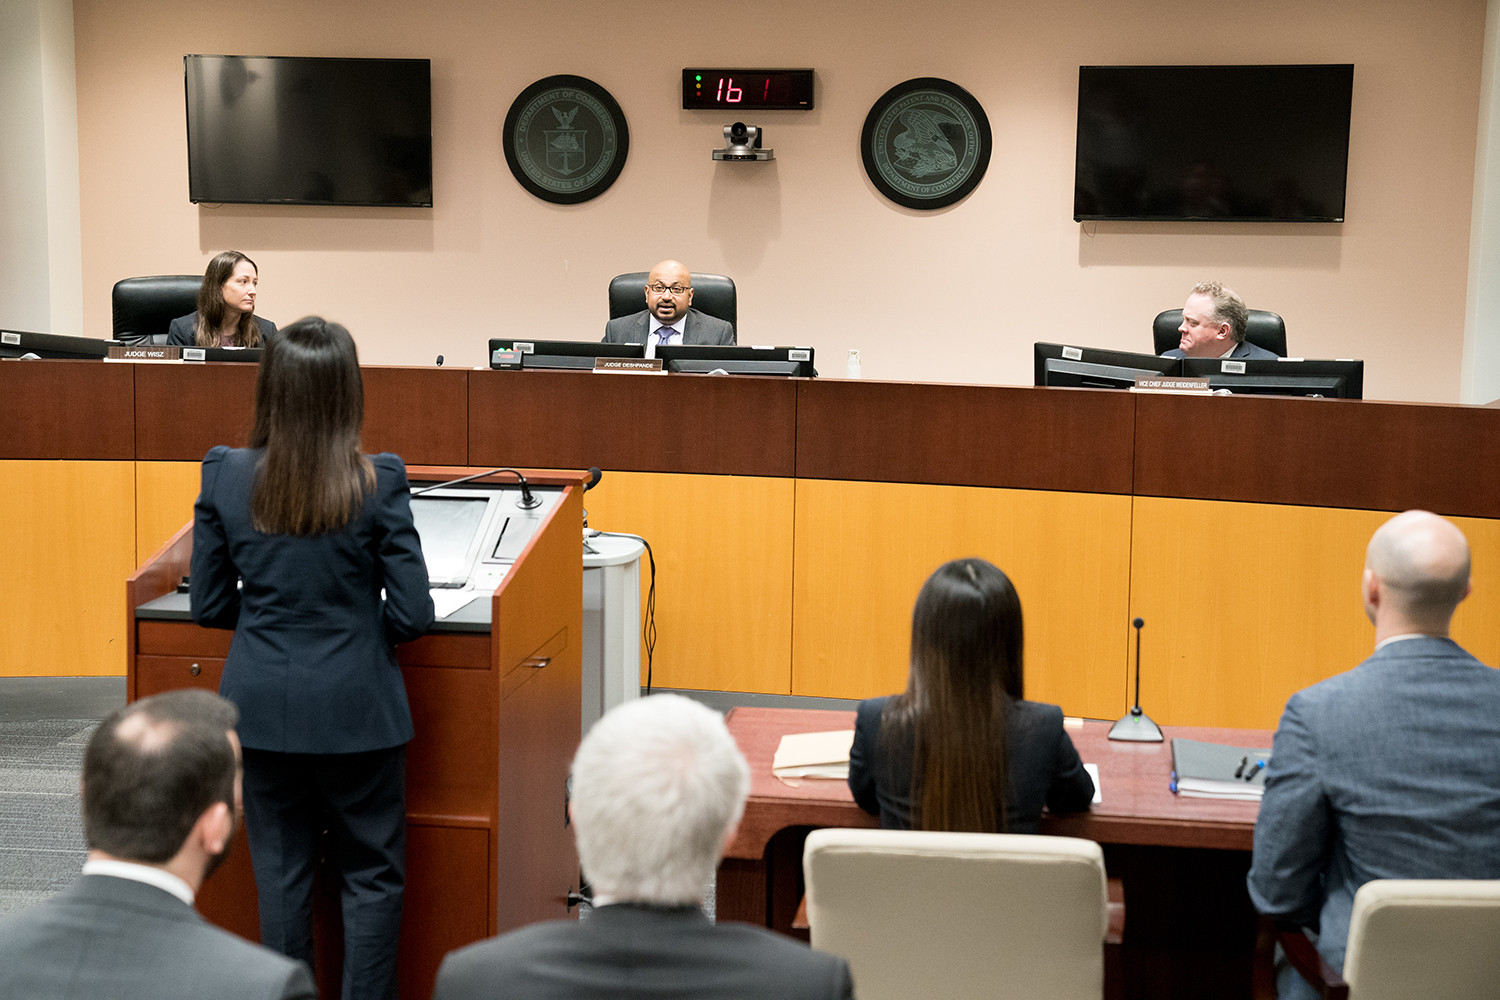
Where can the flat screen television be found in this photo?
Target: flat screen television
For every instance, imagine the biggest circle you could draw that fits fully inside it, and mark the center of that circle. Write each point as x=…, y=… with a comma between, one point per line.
x=1230, y=143
x=1094, y=367
x=1282, y=377
x=292, y=130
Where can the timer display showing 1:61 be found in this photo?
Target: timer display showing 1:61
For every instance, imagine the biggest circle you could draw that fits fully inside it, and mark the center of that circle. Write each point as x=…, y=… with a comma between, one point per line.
x=755, y=89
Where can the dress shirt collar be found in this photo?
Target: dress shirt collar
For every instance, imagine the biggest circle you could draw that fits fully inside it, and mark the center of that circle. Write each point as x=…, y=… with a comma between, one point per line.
x=673, y=340
x=1410, y=635
x=149, y=874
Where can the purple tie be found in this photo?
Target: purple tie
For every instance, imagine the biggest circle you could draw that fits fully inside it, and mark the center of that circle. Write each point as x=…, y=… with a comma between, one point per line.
x=664, y=334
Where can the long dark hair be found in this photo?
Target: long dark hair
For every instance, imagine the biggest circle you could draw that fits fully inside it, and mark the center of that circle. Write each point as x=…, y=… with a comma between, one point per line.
x=211, y=307
x=309, y=408
x=966, y=642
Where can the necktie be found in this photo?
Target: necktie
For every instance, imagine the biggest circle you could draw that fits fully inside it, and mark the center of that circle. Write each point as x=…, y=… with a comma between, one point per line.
x=664, y=334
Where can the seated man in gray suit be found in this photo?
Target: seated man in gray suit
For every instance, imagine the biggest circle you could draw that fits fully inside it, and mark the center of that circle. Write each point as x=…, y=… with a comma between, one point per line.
x=1213, y=326
x=160, y=803
x=658, y=788
x=669, y=316
x=1388, y=770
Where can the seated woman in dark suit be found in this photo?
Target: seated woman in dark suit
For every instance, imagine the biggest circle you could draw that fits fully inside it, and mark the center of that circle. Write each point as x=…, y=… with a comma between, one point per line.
x=307, y=549
x=959, y=749
x=226, y=308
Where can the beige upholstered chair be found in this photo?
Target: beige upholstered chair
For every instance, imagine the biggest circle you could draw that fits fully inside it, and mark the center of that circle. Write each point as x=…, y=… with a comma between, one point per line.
x=958, y=915
x=1416, y=938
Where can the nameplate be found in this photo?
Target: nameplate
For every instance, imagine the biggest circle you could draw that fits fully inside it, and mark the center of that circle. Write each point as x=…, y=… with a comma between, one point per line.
x=1172, y=384
x=147, y=352
x=632, y=366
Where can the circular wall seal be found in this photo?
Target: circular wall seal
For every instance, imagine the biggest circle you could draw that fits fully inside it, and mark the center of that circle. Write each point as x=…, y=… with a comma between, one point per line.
x=926, y=143
x=565, y=139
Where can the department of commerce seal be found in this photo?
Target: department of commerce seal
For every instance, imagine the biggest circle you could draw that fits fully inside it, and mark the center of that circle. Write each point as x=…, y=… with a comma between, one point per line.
x=926, y=143
x=565, y=139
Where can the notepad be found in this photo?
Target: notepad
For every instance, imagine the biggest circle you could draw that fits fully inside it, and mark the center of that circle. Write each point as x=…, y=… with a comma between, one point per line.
x=813, y=755
x=1218, y=771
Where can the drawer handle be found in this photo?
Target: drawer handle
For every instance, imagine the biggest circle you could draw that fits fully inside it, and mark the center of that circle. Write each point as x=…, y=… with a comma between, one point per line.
x=537, y=662
x=195, y=670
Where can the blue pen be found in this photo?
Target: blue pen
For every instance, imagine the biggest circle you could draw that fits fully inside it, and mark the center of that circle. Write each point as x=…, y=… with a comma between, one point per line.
x=1254, y=770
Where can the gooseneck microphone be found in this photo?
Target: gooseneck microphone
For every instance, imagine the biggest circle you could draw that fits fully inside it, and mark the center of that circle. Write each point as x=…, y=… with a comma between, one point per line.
x=528, y=499
x=1136, y=726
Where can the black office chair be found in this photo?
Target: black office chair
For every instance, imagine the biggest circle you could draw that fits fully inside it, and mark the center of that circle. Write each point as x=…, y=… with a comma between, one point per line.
x=713, y=294
x=144, y=307
x=1263, y=329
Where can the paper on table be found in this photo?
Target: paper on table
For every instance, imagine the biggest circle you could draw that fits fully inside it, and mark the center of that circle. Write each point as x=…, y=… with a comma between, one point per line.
x=813, y=755
x=1093, y=770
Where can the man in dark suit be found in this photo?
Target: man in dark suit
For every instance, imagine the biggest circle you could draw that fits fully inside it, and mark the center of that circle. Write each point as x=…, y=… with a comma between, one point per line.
x=160, y=794
x=669, y=317
x=658, y=788
x=1213, y=326
x=1388, y=770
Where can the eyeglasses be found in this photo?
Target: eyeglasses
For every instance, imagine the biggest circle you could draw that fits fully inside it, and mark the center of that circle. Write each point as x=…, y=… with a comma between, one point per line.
x=656, y=287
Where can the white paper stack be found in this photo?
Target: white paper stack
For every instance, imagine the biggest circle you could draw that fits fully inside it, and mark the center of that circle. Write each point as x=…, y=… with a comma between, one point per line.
x=813, y=755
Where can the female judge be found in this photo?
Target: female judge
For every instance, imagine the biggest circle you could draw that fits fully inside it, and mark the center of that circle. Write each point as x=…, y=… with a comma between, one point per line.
x=960, y=749
x=306, y=548
x=226, y=308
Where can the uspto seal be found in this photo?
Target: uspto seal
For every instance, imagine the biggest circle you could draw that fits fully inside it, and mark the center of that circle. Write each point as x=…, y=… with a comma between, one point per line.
x=926, y=143
x=565, y=139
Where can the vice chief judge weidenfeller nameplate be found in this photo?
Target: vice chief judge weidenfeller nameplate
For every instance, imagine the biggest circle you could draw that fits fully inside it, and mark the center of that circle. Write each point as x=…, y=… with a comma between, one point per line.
x=565, y=139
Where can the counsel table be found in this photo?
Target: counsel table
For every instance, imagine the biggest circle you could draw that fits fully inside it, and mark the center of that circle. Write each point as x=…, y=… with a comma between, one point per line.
x=1189, y=928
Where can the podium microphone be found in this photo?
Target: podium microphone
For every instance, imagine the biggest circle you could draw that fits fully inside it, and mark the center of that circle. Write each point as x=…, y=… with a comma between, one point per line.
x=1136, y=726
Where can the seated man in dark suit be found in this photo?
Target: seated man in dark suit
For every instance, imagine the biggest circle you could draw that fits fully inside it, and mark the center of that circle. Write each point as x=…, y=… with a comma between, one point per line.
x=160, y=804
x=1388, y=770
x=669, y=317
x=658, y=788
x=1213, y=326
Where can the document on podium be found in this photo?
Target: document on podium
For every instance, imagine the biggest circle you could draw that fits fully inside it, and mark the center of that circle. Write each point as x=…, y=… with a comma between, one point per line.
x=814, y=755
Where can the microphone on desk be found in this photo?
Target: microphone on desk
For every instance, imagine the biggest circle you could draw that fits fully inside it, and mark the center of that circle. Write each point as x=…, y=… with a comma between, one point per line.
x=595, y=474
x=440, y=361
x=1136, y=726
x=528, y=499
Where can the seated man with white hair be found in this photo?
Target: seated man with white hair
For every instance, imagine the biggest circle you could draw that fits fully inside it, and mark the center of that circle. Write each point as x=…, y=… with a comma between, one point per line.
x=658, y=790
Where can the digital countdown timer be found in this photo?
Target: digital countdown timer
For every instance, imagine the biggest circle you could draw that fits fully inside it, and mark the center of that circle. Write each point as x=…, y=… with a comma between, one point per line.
x=747, y=89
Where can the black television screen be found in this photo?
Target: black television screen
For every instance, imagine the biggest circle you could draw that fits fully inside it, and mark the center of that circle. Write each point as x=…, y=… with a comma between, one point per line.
x=292, y=130
x=1232, y=143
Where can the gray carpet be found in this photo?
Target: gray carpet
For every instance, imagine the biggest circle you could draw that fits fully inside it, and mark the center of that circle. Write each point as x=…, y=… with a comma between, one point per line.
x=44, y=724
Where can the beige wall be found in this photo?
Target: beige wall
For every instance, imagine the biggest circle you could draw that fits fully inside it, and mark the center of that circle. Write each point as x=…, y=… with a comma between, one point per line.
x=819, y=256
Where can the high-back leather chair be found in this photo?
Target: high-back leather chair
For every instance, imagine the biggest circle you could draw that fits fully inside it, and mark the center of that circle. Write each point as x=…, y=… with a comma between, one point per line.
x=959, y=915
x=144, y=307
x=1263, y=329
x=712, y=293
x=1411, y=939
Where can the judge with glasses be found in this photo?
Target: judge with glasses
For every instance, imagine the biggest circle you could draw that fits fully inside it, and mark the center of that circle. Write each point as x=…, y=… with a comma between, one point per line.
x=669, y=316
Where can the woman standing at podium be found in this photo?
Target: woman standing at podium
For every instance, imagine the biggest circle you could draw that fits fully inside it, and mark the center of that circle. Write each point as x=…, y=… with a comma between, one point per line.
x=960, y=749
x=306, y=548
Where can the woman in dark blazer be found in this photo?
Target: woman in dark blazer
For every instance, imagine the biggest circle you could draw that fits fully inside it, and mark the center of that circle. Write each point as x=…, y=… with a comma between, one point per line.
x=960, y=749
x=226, y=308
x=307, y=549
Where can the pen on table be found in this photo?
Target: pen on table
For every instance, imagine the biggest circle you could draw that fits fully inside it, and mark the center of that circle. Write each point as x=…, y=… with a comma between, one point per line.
x=1239, y=771
x=1254, y=770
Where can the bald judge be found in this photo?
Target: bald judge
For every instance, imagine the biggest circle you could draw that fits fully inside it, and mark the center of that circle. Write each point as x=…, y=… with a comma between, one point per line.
x=669, y=316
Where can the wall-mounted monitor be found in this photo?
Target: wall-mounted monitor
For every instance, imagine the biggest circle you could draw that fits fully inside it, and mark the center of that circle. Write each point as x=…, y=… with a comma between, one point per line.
x=1067, y=366
x=1228, y=143
x=1282, y=377
x=291, y=130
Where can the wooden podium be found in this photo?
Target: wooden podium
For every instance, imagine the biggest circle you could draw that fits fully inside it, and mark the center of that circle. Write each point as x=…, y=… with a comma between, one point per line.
x=496, y=714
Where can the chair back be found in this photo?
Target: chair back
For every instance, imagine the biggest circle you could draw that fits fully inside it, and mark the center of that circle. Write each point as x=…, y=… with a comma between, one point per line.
x=1421, y=938
x=144, y=307
x=1263, y=329
x=712, y=293
x=959, y=915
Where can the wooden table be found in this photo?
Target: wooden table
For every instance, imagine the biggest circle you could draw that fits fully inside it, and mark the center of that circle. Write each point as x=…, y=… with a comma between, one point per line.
x=1189, y=929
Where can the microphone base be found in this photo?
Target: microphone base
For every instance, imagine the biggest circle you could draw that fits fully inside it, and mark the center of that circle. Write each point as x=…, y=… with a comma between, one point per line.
x=1136, y=727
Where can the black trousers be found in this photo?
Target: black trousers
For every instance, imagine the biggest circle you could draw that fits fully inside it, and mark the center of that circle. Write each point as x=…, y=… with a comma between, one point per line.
x=359, y=800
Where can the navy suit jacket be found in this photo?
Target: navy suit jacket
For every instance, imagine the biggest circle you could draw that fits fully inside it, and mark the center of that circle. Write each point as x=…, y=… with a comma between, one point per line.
x=627, y=951
x=698, y=328
x=1243, y=350
x=1044, y=768
x=1386, y=771
x=107, y=938
x=311, y=666
x=181, y=333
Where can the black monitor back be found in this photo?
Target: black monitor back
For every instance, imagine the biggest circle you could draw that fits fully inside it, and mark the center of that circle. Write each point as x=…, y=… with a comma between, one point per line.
x=577, y=354
x=794, y=361
x=18, y=343
x=1285, y=377
x=1137, y=364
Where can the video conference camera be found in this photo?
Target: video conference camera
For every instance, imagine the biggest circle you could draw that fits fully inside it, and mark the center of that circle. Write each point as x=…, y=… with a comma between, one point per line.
x=743, y=142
